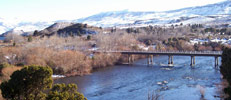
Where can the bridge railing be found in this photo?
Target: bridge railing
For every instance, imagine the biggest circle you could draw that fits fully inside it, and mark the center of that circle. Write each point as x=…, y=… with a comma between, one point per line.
x=181, y=52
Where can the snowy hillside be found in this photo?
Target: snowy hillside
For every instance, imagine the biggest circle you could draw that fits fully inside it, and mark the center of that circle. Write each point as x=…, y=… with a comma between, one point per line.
x=55, y=27
x=200, y=14
x=18, y=26
x=210, y=14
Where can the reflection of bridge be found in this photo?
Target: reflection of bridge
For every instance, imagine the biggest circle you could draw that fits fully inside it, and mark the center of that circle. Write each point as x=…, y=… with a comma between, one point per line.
x=170, y=54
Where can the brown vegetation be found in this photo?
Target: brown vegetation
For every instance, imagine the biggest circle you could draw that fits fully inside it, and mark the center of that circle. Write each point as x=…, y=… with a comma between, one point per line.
x=67, y=49
x=63, y=62
x=71, y=55
x=103, y=60
x=14, y=38
x=6, y=72
x=67, y=62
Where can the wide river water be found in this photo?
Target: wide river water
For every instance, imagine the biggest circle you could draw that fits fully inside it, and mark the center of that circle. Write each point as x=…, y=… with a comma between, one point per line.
x=2, y=38
x=135, y=82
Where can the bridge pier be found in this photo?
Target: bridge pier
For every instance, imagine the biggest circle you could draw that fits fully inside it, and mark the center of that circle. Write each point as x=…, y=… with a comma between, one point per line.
x=170, y=59
x=216, y=61
x=192, y=61
x=130, y=59
x=149, y=59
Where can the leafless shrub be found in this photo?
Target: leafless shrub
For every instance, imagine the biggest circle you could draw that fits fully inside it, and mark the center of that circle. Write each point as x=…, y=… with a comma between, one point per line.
x=154, y=96
x=71, y=62
x=103, y=60
x=60, y=43
x=11, y=55
x=14, y=38
x=115, y=41
x=70, y=54
x=66, y=61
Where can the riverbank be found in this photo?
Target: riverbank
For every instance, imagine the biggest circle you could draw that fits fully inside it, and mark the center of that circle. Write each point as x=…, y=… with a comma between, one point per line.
x=63, y=62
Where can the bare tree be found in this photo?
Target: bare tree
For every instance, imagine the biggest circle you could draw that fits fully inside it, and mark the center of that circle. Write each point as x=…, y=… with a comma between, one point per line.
x=14, y=38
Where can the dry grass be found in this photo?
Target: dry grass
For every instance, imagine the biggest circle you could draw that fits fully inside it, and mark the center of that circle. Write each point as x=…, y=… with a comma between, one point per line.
x=61, y=61
x=7, y=72
x=69, y=55
x=115, y=41
x=71, y=62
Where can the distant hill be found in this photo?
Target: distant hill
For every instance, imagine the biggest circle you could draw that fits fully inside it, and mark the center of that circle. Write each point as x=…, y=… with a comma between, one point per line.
x=212, y=13
x=68, y=29
x=54, y=28
x=219, y=13
x=16, y=25
x=20, y=32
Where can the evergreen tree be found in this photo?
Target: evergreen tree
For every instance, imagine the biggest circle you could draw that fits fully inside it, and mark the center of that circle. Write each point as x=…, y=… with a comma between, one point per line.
x=28, y=83
x=36, y=33
x=78, y=33
x=29, y=39
x=65, y=92
x=88, y=37
x=225, y=69
x=14, y=44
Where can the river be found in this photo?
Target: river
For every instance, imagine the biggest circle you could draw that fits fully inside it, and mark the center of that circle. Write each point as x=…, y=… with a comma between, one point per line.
x=136, y=81
x=2, y=38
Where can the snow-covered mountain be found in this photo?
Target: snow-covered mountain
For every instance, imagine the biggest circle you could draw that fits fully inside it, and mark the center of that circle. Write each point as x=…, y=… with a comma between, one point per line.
x=18, y=26
x=209, y=14
x=200, y=14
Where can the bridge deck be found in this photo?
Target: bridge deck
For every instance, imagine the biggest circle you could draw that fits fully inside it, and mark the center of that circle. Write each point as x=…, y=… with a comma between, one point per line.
x=173, y=53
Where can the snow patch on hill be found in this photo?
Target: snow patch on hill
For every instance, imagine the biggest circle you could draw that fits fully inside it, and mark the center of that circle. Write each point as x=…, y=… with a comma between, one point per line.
x=190, y=15
x=18, y=24
x=212, y=13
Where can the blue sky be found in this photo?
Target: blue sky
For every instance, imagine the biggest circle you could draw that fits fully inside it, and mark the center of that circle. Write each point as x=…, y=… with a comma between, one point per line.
x=48, y=10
